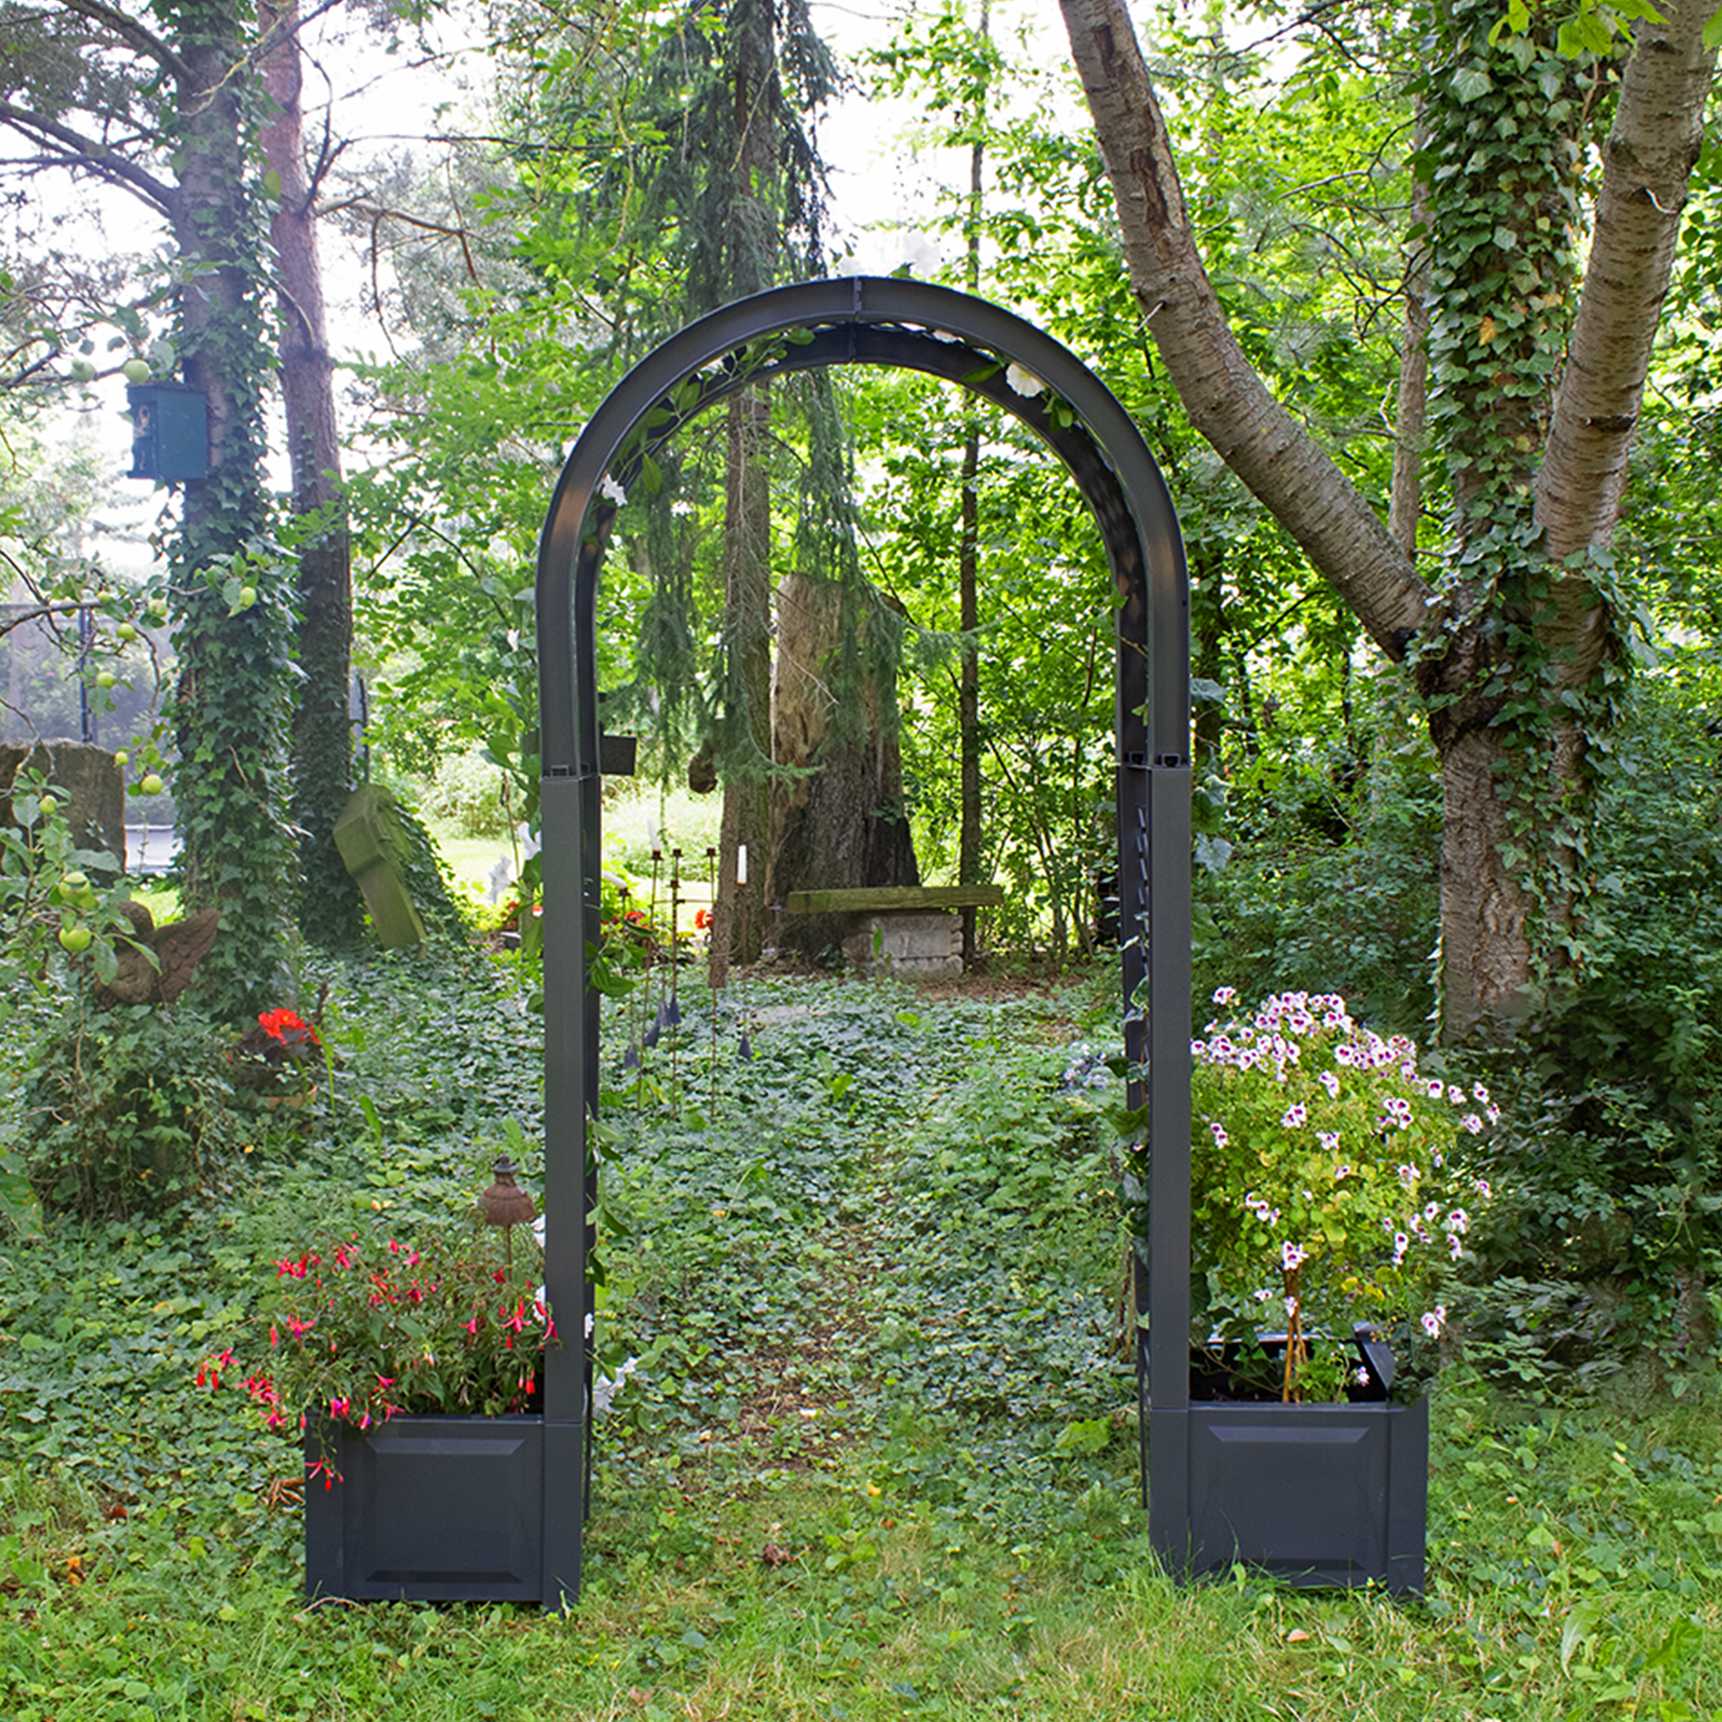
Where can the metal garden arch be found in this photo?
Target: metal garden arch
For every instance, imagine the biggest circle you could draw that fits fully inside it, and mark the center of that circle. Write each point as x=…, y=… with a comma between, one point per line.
x=914, y=326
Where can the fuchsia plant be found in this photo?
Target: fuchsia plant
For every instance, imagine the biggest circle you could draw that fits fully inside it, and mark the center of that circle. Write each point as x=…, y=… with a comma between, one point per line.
x=1331, y=1182
x=361, y=1331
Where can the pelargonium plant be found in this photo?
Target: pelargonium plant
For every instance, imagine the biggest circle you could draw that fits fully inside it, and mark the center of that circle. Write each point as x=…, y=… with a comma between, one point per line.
x=360, y=1331
x=1332, y=1184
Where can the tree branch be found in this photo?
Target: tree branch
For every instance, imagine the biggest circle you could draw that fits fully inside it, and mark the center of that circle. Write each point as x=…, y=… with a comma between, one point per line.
x=1226, y=400
x=76, y=150
x=133, y=33
x=1647, y=164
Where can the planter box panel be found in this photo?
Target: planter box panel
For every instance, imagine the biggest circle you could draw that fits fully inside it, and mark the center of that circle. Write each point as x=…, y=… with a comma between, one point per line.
x=1331, y=1495
x=1301, y=1495
x=433, y=1509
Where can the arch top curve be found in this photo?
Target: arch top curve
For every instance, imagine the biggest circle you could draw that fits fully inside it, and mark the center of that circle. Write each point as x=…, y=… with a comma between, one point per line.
x=889, y=321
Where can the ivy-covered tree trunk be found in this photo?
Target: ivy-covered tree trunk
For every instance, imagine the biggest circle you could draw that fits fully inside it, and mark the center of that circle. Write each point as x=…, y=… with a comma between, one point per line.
x=231, y=605
x=322, y=733
x=834, y=708
x=1514, y=646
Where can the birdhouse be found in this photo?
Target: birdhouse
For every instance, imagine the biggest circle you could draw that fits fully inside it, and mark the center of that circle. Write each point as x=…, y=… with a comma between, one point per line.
x=170, y=432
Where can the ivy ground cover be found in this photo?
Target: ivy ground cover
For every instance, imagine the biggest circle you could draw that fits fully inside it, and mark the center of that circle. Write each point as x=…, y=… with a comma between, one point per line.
x=871, y=1448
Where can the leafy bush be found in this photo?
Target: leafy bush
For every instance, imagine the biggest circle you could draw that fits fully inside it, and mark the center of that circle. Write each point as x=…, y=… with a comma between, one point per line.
x=1330, y=1184
x=124, y=1108
x=1354, y=897
x=465, y=793
x=1616, y=1091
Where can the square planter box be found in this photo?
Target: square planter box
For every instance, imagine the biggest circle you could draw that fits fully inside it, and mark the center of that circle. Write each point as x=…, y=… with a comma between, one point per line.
x=1317, y=1494
x=448, y=1509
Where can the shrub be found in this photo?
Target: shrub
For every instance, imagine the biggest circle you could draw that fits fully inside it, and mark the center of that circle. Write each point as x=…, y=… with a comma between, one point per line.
x=125, y=1108
x=465, y=794
x=1331, y=1185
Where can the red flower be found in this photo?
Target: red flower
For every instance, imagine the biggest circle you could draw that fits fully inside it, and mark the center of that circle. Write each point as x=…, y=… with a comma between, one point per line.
x=287, y=1026
x=702, y=918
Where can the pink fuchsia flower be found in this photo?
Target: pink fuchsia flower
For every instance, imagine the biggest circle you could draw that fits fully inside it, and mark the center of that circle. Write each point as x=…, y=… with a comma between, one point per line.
x=1296, y=1116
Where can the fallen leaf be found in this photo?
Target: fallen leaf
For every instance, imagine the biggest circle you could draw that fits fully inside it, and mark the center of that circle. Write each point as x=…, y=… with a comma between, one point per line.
x=775, y=1555
x=1297, y=1635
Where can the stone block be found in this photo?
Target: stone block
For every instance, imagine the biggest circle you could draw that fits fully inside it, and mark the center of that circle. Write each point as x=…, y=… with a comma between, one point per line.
x=919, y=944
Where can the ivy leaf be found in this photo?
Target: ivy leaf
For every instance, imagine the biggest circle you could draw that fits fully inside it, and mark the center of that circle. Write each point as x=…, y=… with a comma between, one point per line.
x=1713, y=30
x=1472, y=82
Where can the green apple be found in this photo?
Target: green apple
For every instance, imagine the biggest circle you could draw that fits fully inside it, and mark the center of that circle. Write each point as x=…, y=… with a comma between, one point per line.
x=125, y=631
x=158, y=610
x=75, y=939
x=105, y=678
x=120, y=756
x=247, y=597
x=151, y=785
x=135, y=370
x=48, y=805
x=75, y=881
x=81, y=370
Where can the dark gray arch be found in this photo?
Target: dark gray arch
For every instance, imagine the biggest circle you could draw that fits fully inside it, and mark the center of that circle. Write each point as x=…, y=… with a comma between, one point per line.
x=911, y=325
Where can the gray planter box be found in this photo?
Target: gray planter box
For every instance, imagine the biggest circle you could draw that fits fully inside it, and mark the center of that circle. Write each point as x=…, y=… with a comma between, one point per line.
x=1332, y=1495
x=448, y=1509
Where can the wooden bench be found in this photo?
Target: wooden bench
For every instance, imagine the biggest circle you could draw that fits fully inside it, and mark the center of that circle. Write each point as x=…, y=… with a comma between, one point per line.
x=907, y=929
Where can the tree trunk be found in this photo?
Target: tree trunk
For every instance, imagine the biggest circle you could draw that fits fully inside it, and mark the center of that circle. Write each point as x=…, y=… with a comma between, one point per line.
x=969, y=860
x=1485, y=955
x=842, y=825
x=229, y=697
x=322, y=733
x=738, y=918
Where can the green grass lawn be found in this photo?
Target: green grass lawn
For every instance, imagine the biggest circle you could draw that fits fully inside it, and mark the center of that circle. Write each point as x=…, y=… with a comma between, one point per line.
x=871, y=1277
